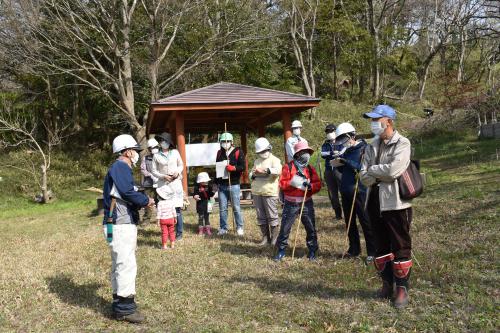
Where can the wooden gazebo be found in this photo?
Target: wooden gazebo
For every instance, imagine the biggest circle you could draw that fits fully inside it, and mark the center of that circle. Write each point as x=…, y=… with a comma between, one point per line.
x=243, y=108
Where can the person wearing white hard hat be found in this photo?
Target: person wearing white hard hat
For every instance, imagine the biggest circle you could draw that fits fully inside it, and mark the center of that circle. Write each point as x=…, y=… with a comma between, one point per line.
x=168, y=167
x=148, y=179
x=349, y=164
x=265, y=189
x=234, y=158
x=122, y=202
x=202, y=193
x=292, y=141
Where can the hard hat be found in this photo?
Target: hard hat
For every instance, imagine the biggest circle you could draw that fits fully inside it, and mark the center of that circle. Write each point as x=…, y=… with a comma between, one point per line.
x=300, y=146
x=262, y=144
x=125, y=141
x=152, y=143
x=165, y=137
x=165, y=192
x=342, y=132
x=226, y=137
x=202, y=177
x=296, y=124
x=330, y=128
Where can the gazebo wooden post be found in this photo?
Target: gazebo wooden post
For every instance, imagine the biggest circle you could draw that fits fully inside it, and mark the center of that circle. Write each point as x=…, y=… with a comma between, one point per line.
x=181, y=146
x=261, y=131
x=243, y=136
x=287, y=127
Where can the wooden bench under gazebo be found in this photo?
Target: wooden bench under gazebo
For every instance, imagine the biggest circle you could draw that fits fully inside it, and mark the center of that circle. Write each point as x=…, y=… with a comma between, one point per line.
x=206, y=110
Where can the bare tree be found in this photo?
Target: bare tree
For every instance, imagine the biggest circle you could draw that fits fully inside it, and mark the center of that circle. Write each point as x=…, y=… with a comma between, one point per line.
x=89, y=41
x=437, y=21
x=18, y=130
x=302, y=21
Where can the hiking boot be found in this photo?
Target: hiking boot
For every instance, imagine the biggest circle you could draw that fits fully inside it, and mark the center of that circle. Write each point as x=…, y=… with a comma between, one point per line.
x=275, y=231
x=279, y=256
x=264, y=229
x=401, y=299
x=135, y=318
x=208, y=230
x=201, y=230
x=386, y=291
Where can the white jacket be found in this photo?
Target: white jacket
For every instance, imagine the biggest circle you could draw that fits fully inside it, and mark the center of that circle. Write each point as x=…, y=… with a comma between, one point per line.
x=394, y=160
x=169, y=164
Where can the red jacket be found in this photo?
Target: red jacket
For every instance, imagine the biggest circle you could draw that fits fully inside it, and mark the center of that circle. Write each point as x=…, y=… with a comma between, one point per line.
x=292, y=193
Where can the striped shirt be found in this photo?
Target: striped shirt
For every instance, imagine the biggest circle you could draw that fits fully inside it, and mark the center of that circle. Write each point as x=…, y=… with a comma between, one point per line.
x=166, y=210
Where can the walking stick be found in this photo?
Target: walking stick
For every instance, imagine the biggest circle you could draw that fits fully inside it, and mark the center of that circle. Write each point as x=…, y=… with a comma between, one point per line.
x=229, y=180
x=298, y=224
x=350, y=215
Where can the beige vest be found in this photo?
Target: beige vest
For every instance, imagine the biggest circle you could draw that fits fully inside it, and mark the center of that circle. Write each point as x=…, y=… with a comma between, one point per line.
x=267, y=185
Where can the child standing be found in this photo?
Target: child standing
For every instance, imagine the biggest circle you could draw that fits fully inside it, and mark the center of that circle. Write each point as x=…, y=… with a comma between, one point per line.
x=296, y=176
x=167, y=216
x=203, y=192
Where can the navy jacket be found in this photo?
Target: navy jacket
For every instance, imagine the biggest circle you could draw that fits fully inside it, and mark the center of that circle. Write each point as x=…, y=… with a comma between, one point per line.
x=352, y=156
x=327, y=153
x=120, y=174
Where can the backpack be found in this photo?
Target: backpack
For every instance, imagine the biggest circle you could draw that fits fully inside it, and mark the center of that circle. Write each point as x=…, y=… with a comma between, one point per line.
x=410, y=182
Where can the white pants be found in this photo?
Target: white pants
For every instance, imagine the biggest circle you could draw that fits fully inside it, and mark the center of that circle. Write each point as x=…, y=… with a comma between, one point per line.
x=123, y=264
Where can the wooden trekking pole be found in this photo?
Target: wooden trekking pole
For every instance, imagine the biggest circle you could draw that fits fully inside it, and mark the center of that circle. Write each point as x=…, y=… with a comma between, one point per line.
x=350, y=215
x=229, y=180
x=298, y=224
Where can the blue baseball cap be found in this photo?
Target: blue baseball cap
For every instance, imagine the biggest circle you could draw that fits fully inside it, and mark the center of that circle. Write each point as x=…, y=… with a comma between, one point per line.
x=380, y=111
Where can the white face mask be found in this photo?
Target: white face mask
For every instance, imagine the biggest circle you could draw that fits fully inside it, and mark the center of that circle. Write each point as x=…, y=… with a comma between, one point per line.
x=265, y=154
x=135, y=158
x=154, y=151
x=330, y=136
x=225, y=145
x=377, y=127
x=296, y=131
x=164, y=146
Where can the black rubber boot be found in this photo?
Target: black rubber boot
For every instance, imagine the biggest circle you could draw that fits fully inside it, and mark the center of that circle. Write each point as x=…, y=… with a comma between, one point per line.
x=387, y=290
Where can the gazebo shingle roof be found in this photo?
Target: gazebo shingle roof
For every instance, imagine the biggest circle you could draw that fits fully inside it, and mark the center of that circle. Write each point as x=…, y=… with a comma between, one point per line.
x=242, y=107
x=225, y=92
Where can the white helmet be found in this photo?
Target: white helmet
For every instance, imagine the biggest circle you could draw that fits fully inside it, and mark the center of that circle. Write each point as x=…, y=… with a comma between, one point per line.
x=262, y=144
x=202, y=177
x=341, y=131
x=125, y=141
x=296, y=124
x=152, y=143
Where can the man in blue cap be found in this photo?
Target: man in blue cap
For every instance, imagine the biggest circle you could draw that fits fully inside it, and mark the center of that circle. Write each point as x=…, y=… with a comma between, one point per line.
x=385, y=159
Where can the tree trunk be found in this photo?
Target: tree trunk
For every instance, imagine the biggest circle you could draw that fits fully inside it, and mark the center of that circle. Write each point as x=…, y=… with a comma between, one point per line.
x=461, y=56
x=423, y=80
x=374, y=32
x=334, y=68
x=45, y=191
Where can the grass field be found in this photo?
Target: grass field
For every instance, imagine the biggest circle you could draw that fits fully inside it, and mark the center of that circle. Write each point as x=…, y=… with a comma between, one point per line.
x=55, y=265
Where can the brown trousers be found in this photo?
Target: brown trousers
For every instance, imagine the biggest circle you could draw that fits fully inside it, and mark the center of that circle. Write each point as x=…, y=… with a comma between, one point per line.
x=390, y=228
